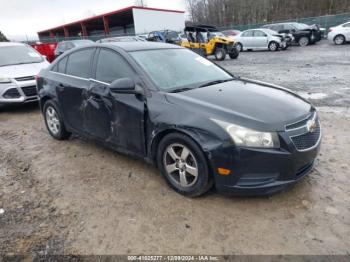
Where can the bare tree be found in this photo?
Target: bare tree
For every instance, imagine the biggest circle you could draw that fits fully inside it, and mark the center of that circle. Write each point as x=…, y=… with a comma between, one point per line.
x=229, y=12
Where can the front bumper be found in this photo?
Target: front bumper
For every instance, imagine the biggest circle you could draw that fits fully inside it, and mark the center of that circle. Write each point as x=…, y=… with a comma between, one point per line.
x=18, y=92
x=257, y=172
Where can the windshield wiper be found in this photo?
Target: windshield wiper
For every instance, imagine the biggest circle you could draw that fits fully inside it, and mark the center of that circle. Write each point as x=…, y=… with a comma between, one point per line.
x=210, y=83
x=181, y=90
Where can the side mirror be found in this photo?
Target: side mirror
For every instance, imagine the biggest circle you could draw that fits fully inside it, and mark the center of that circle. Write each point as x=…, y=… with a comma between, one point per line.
x=123, y=85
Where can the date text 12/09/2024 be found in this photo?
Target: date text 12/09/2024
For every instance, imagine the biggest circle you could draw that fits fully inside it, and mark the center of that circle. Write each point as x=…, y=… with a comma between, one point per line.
x=173, y=258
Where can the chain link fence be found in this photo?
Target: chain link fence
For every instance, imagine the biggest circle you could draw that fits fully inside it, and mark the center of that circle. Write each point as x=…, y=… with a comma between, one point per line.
x=326, y=21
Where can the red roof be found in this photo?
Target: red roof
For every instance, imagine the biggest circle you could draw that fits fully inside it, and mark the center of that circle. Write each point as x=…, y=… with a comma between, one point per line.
x=113, y=13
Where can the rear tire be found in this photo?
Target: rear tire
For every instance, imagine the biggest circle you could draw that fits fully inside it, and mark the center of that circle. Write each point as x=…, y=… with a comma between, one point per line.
x=304, y=41
x=339, y=40
x=273, y=46
x=183, y=164
x=220, y=54
x=54, y=121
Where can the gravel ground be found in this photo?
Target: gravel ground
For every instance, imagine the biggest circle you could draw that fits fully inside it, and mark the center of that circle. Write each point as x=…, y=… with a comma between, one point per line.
x=76, y=197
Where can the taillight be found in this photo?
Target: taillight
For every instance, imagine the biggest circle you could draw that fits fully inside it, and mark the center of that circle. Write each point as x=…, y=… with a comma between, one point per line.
x=330, y=29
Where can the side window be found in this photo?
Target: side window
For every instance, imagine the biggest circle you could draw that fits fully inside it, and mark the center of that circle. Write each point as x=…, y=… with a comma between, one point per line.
x=258, y=33
x=288, y=27
x=278, y=28
x=346, y=25
x=248, y=34
x=61, y=65
x=79, y=63
x=111, y=66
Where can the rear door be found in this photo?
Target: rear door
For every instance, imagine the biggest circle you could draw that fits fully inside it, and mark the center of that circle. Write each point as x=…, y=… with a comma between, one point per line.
x=73, y=87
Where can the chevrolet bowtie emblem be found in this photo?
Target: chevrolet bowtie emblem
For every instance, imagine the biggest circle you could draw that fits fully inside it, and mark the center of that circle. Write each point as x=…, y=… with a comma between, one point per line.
x=311, y=126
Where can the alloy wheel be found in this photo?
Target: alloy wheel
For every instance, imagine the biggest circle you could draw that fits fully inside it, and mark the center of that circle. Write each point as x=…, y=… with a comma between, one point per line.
x=304, y=41
x=52, y=120
x=339, y=40
x=273, y=46
x=181, y=165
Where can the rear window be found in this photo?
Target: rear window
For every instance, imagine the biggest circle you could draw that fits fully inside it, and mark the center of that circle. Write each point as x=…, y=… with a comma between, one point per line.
x=79, y=63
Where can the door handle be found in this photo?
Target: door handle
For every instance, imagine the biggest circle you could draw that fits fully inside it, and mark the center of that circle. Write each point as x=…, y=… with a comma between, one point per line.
x=60, y=87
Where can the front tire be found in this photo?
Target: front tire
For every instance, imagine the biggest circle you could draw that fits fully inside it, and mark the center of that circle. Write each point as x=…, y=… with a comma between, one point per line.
x=304, y=41
x=240, y=47
x=339, y=40
x=220, y=54
x=183, y=165
x=273, y=46
x=54, y=121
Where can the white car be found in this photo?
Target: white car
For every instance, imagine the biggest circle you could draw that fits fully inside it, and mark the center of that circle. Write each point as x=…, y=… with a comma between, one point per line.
x=261, y=39
x=19, y=64
x=340, y=34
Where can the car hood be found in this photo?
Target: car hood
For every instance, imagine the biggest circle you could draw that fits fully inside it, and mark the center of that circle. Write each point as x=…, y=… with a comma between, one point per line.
x=247, y=103
x=14, y=71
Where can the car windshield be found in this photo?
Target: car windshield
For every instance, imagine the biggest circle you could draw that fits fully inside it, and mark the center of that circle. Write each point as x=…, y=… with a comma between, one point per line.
x=18, y=54
x=172, y=69
x=269, y=31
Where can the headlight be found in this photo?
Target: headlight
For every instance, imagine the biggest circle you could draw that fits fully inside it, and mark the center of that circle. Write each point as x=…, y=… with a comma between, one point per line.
x=4, y=80
x=246, y=137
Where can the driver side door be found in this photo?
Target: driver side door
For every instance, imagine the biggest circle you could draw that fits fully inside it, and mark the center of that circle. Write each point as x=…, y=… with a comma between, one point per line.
x=260, y=39
x=112, y=117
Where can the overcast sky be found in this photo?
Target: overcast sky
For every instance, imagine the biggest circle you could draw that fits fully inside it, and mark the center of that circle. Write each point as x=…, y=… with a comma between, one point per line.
x=21, y=18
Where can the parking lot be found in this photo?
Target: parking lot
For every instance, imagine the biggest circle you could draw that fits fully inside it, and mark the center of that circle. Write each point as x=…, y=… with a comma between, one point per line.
x=78, y=197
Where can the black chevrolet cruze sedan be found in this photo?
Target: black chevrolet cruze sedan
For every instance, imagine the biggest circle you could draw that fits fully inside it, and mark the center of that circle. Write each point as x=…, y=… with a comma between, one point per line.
x=198, y=123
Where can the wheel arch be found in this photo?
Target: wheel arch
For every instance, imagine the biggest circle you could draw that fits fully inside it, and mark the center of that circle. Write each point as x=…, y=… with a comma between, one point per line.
x=340, y=34
x=192, y=134
x=43, y=100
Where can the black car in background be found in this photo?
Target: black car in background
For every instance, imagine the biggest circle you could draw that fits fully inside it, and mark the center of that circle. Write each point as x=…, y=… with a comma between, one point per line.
x=303, y=34
x=164, y=36
x=67, y=45
x=199, y=124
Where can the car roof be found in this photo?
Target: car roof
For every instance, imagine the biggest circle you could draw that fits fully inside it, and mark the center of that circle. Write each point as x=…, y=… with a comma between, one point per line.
x=139, y=46
x=77, y=41
x=11, y=44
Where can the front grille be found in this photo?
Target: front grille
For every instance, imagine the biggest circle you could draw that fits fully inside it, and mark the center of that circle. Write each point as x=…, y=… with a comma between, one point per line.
x=29, y=90
x=307, y=140
x=300, y=123
x=11, y=93
x=25, y=78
